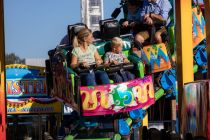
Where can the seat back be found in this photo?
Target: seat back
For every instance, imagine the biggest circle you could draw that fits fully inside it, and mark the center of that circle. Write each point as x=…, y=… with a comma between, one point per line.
x=109, y=28
x=73, y=30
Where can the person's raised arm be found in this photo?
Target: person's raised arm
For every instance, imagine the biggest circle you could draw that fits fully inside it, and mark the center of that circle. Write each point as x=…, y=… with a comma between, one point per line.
x=156, y=17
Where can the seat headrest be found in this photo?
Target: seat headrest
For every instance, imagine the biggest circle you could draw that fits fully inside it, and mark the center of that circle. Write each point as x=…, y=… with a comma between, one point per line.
x=73, y=30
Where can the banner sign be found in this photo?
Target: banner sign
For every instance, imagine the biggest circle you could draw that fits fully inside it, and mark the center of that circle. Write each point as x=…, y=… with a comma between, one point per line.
x=23, y=81
x=33, y=105
x=35, y=87
x=116, y=98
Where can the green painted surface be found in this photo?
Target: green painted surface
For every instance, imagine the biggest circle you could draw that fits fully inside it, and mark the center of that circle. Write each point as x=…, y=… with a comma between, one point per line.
x=95, y=139
x=195, y=68
x=159, y=94
x=70, y=137
x=117, y=137
x=139, y=65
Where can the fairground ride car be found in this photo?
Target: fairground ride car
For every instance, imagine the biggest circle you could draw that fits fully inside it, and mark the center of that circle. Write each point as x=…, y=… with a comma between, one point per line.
x=116, y=110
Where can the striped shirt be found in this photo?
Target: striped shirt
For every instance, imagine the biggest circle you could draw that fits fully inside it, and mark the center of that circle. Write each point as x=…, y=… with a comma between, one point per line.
x=160, y=7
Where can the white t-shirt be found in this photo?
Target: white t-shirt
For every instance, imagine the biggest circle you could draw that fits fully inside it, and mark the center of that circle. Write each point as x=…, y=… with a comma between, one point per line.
x=87, y=56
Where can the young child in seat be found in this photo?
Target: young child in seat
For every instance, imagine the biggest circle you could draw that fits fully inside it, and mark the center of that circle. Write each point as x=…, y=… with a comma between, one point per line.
x=115, y=57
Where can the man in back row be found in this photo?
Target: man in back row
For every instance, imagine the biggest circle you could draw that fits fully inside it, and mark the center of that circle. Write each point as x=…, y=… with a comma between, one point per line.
x=152, y=11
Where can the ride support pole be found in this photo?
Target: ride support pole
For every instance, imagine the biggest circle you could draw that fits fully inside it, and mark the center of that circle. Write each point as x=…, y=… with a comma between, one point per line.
x=207, y=15
x=184, y=47
x=2, y=78
x=207, y=19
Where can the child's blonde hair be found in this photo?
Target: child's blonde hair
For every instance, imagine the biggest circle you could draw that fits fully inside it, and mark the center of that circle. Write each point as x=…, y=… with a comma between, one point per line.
x=116, y=41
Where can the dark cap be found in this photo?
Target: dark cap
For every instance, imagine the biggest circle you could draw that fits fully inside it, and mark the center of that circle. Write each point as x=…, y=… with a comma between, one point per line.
x=134, y=2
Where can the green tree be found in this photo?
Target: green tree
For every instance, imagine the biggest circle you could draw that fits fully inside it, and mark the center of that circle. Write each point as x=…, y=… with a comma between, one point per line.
x=11, y=58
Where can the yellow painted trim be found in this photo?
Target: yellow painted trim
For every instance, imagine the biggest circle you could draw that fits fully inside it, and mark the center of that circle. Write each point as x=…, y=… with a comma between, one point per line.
x=145, y=120
x=22, y=66
x=184, y=43
x=31, y=106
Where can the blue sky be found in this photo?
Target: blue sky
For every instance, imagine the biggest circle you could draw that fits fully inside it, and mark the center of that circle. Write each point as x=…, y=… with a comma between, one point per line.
x=33, y=27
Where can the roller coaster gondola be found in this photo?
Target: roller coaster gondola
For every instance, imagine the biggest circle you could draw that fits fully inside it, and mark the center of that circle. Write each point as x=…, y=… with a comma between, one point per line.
x=117, y=110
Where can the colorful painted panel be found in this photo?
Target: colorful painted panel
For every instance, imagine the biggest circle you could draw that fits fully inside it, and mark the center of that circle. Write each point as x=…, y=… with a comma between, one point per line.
x=194, y=108
x=116, y=98
x=199, y=27
x=157, y=56
x=25, y=81
x=33, y=105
